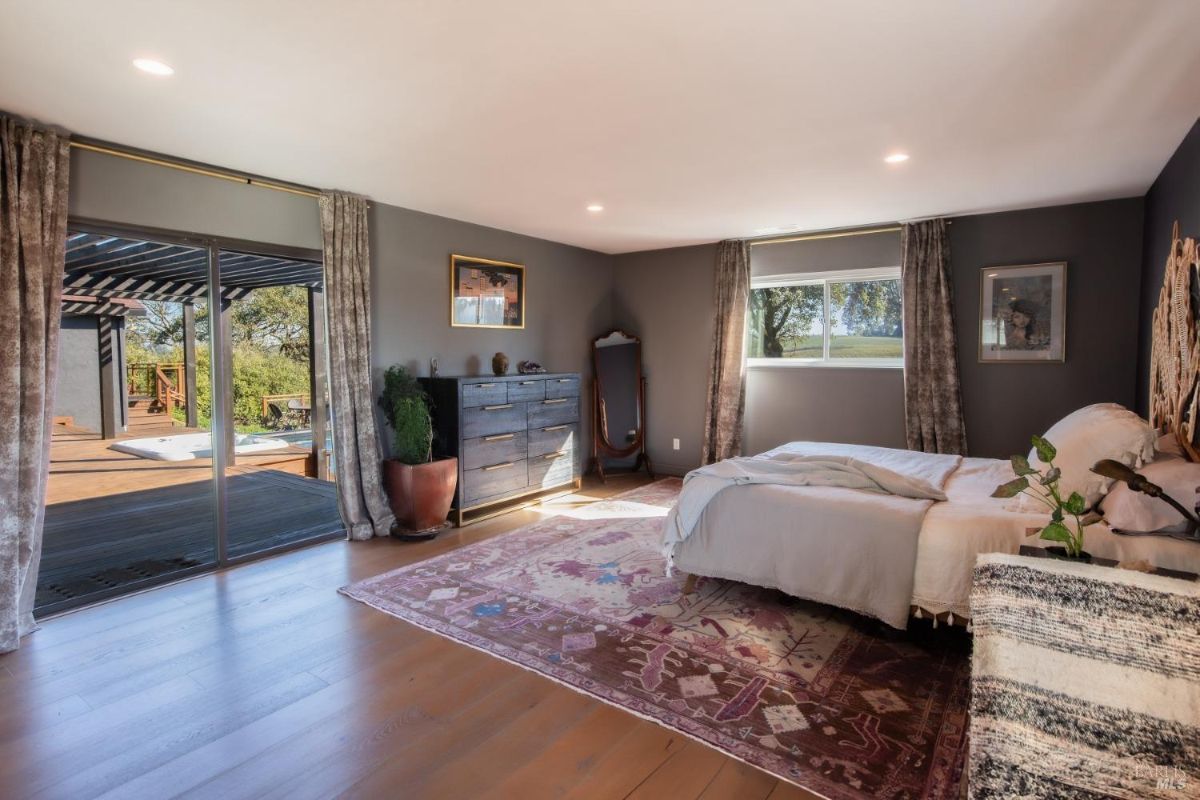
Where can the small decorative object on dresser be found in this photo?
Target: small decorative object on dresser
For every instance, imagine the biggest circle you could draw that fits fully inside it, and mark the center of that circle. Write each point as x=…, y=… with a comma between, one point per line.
x=486, y=293
x=499, y=364
x=530, y=368
x=419, y=488
x=1022, y=313
x=515, y=437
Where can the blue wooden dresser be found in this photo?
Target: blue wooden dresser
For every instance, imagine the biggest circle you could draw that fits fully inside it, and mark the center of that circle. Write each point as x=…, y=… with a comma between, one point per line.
x=516, y=438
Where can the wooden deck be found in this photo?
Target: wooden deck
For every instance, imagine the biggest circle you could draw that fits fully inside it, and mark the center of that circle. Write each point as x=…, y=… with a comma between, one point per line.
x=117, y=522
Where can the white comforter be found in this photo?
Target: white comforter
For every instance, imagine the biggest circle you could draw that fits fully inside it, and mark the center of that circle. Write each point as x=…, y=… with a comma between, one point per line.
x=847, y=563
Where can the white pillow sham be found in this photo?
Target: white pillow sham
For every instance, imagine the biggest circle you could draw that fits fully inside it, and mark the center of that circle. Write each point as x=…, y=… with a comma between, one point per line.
x=1083, y=437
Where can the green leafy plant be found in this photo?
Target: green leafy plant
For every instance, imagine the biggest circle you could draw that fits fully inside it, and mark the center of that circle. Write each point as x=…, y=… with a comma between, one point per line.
x=1043, y=485
x=407, y=408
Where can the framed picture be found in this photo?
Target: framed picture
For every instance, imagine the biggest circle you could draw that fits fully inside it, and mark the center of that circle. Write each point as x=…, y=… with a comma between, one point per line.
x=486, y=293
x=1023, y=313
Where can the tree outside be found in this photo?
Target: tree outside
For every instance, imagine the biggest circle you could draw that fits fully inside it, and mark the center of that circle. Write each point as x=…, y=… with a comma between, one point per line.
x=269, y=331
x=865, y=320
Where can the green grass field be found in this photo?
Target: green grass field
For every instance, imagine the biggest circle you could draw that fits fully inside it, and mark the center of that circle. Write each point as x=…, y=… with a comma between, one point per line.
x=845, y=347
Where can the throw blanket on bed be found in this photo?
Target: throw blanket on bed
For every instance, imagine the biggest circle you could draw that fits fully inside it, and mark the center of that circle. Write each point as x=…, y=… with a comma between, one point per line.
x=891, y=528
x=1085, y=682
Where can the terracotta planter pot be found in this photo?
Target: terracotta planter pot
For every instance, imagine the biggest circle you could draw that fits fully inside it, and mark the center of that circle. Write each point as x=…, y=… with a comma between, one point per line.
x=420, y=495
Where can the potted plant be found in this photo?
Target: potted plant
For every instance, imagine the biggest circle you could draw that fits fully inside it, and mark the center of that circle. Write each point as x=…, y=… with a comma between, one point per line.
x=420, y=488
x=1049, y=494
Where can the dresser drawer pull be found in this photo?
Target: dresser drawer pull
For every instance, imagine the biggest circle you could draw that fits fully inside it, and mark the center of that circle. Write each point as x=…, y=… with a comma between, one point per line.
x=528, y=383
x=566, y=380
x=549, y=456
x=559, y=400
x=498, y=408
x=484, y=385
x=505, y=465
x=556, y=428
x=503, y=437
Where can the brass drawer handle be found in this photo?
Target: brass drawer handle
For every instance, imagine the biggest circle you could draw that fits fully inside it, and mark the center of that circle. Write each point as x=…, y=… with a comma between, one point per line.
x=500, y=437
x=483, y=385
x=498, y=408
x=556, y=428
x=528, y=383
x=566, y=380
x=559, y=400
x=505, y=465
x=549, y=456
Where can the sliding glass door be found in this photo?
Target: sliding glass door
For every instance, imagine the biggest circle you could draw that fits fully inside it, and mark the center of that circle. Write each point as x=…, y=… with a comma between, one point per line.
x=192, y=423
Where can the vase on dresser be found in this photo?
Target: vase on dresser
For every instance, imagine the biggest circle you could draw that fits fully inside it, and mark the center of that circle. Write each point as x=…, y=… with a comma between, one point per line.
x=515, y=438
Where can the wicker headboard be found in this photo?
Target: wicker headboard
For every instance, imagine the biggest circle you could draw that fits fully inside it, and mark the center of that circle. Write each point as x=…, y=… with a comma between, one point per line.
x=1175, y=352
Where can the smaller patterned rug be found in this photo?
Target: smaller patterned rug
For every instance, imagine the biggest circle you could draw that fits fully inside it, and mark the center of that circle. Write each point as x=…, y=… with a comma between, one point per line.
x=831, y=701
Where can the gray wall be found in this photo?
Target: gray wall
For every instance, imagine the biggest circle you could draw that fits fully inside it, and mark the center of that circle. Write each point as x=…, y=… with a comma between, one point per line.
x=1175, y=196
x=665, y=296
x=568, y=299
x=1005, y=404
x=119, y=190
x=78, y=392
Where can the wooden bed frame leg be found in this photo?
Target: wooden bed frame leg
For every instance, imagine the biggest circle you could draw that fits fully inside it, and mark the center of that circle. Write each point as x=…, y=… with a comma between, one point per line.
x=689, y=585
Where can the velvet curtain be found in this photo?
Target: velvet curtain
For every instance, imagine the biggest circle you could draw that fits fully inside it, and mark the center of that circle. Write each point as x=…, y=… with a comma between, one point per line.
x=933, y=415
x=726, y=399
x=356, y=449
x=34, y=169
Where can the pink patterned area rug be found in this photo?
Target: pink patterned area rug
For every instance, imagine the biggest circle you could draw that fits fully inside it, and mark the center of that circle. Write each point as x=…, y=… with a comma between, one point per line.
x=831, y=701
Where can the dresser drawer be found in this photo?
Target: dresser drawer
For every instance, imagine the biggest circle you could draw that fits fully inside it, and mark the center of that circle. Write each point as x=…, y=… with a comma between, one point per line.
x=551, y=469
x=493, y=480
x=552, y=438
x=562, y=387
x=522, y=391
x=484, y=394
x=553, y=412
x=494, y=449
x=490, y=419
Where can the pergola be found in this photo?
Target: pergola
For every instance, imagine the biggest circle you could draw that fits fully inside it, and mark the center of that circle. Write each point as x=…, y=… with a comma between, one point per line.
x=102, y=270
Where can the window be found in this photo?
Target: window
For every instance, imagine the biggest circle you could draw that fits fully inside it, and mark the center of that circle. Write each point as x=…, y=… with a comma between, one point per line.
x=848, y=319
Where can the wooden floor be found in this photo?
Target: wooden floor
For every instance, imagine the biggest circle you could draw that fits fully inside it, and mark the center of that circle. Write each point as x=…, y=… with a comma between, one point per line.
x=262, y=682
x=116, y=521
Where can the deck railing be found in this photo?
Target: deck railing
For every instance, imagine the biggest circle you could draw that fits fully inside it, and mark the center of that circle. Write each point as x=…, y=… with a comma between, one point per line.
x=163, y=381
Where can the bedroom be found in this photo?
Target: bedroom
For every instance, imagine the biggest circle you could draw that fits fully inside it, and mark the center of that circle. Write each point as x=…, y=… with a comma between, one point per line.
x=605, y=167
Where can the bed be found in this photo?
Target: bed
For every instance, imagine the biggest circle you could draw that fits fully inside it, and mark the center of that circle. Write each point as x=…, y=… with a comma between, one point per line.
x=766, y=535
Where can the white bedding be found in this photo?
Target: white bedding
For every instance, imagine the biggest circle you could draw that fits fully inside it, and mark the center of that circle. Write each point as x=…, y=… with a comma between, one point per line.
x=765, y=535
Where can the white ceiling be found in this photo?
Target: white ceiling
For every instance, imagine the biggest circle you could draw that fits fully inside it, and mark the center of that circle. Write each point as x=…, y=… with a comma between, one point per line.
x=690, y=120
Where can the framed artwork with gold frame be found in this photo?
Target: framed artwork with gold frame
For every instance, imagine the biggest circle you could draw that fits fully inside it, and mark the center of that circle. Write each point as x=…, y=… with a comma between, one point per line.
x=486, y=294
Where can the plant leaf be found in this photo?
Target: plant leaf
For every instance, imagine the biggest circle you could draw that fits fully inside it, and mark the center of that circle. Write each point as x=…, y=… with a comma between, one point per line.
x=1045, y=450
x=1012, y=488
x=1057, y=532
x=1020, y=465
x=1053, y=474
x=1075, y=504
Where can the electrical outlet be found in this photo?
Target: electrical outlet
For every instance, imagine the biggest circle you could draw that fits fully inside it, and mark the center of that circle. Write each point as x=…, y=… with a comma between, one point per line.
x=674, y=444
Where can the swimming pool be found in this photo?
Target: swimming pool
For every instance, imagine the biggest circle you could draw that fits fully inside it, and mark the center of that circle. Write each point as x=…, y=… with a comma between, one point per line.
x=190, y=446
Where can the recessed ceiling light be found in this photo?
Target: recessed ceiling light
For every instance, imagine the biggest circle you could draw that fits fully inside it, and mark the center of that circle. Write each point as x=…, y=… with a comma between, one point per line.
x=896, y=158
x=153, y=67
x=595, y=207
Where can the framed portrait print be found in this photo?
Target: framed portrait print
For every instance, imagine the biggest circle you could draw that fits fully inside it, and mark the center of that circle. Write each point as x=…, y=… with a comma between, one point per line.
x=1023, y=313
x=486, y=293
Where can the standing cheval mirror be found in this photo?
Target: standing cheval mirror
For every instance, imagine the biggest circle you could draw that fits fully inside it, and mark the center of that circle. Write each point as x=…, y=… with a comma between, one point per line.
x=618, y=401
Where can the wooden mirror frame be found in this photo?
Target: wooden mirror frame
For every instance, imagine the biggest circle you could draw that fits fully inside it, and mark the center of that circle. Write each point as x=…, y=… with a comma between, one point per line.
x=602, y=446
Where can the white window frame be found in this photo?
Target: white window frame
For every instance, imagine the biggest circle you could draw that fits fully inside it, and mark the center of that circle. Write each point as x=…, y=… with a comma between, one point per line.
x=824, y=279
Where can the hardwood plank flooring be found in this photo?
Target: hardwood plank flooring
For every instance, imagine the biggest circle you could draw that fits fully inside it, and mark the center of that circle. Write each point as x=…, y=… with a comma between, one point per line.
x=262, y=682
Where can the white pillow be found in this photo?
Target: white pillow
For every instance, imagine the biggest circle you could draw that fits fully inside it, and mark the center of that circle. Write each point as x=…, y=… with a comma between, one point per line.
x=1083, y=437
x=1134, y=511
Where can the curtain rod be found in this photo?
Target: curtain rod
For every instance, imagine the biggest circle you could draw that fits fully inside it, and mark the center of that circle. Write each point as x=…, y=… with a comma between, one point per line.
x=182, y=167
x=808, y=237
